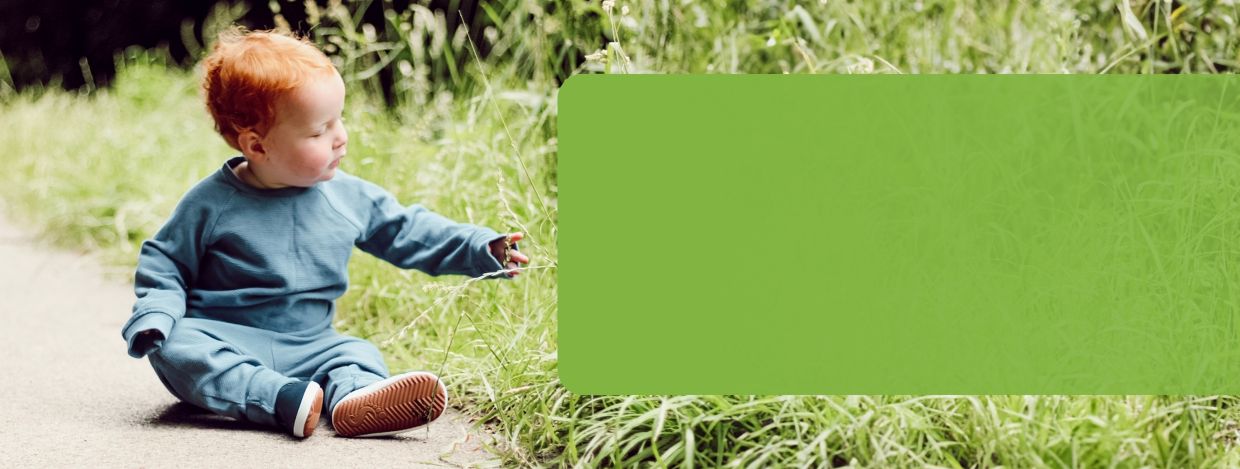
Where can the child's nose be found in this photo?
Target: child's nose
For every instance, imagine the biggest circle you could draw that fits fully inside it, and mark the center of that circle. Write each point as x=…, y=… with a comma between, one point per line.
x=342, y=139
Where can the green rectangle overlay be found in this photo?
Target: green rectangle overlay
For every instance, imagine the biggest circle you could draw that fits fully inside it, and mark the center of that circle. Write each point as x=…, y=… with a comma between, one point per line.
x=910, y=234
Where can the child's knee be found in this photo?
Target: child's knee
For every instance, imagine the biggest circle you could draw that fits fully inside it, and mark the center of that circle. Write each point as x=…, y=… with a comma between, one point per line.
x=161, y=373
x=171, y=378
x=191, y=351
x=181, y=344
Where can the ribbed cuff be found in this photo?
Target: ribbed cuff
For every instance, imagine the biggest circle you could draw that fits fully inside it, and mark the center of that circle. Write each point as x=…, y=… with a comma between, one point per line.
x=161, y=322
x=489, y=262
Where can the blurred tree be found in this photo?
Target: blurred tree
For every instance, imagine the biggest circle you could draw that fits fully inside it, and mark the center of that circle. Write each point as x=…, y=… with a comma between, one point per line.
x=74, y=43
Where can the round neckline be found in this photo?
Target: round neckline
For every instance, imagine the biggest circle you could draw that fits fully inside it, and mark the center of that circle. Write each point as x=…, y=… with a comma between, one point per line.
x=235, y=181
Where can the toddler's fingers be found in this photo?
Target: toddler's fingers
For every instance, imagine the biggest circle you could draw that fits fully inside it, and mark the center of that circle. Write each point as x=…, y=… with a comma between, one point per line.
x=514, y=237
x=517, y=256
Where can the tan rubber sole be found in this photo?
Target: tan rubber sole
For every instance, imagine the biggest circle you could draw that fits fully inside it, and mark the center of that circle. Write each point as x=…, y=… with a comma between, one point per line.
x=407, y=402
x=312, y=419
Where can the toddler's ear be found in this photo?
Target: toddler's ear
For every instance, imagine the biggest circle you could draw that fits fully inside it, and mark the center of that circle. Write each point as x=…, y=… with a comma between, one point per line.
x=251, y=145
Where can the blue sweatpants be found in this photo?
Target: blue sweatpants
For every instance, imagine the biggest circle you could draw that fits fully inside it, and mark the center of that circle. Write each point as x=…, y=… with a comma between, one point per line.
x=237, y=370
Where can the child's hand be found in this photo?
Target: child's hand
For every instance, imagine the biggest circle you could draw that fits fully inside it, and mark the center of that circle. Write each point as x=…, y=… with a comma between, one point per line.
x=505, y=252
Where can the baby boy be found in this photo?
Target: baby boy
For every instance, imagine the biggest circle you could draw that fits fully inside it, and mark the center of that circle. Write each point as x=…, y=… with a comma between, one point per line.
x=236, y=292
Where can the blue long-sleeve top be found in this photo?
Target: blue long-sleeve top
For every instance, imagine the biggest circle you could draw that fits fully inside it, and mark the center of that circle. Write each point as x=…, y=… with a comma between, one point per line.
x=277, y=259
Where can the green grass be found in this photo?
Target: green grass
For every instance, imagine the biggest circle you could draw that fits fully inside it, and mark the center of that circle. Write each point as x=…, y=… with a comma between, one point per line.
x=102, y=172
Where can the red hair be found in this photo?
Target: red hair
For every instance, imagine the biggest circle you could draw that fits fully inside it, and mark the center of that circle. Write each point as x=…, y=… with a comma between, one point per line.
x=246, y=73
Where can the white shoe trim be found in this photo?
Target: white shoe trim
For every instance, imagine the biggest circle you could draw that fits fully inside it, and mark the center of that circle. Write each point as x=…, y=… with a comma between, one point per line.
x=303, y=411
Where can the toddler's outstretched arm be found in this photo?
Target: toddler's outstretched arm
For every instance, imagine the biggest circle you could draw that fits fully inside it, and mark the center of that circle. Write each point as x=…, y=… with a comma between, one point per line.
x=414, y=237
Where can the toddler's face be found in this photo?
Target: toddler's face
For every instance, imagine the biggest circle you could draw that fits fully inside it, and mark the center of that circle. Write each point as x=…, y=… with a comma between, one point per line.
x=308, y=139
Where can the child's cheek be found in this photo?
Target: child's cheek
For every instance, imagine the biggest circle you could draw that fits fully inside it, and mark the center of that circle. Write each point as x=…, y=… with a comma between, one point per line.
x=311, y=156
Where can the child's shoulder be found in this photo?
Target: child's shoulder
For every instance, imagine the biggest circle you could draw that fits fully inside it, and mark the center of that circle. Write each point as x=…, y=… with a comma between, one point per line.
x=211, y=189
x=208, y=194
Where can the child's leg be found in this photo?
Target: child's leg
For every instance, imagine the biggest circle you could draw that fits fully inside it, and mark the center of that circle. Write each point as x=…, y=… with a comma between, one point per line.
x=343, y=380
x=214, y=365
x=361, y=399
x=349, y=363
x=340, y=363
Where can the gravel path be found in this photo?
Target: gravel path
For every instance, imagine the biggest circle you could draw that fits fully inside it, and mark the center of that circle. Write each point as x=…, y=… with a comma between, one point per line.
x=72, y=397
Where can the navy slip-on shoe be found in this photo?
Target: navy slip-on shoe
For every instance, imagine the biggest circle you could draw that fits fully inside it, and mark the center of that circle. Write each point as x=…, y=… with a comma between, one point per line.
x=298, y=406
